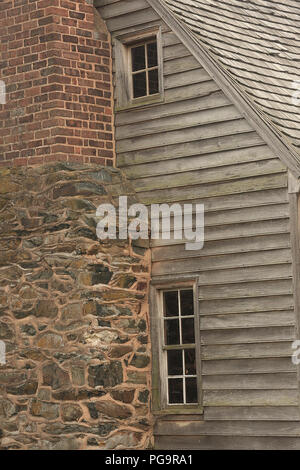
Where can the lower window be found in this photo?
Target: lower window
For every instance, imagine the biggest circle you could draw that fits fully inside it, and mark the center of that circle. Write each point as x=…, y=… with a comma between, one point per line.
x=177, y=348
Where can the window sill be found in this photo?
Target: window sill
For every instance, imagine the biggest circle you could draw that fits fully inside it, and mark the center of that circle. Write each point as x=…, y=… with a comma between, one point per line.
x=141, y=102
x=179, y=410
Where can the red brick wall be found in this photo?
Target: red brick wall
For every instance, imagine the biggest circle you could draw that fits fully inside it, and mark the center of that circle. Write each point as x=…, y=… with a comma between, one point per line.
x=56, y=65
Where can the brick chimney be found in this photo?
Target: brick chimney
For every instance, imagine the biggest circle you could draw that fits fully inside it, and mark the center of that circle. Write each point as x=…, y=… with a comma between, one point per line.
x=55, y=64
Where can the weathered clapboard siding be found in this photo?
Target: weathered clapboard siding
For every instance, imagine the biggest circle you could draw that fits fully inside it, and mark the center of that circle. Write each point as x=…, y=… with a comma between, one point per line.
x=166, y=110
x=252, y=413
x=247, y=366
x=245, y=350
x=236, y=231
x=246, y=305
x=205, y=147
x=171, y=123
x=196, y=428
x=191, y=132
x=231, y=172
x=202, y=264
x=251, y=397
x=246, y=335
x=196, y=162
x=252, y=320
x=247, y=244
x=253, y=382
x=196, y=147
x=226, y=442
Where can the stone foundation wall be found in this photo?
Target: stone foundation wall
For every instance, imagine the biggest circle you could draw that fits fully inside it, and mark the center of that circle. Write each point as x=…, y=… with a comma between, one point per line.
x=73, y=315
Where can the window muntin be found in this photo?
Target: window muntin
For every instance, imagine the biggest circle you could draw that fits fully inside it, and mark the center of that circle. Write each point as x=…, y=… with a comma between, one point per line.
x=144, y=69
x=179, y=346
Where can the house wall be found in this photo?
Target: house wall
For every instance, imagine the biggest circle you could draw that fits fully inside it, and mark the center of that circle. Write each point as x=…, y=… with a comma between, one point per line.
x=198, y=147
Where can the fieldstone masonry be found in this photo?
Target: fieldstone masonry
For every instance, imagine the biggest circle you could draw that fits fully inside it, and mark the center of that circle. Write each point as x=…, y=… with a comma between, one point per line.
x=73, y=314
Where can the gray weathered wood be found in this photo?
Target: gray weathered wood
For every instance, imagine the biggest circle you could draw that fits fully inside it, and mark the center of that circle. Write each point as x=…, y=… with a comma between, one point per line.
x=229, y=157
x=244, y=335
x=226, y=173
x=242, y=245
x=180, y=64
x=245, y=305
x=241, y=186
x=167, y=110
x=175, y=51
x=248, y=366
x=235, y=428
x=177, y=443
x=119, y=23
x=251, y=350
x=248, y=320
x=222, y=262
x=251, y=398
x=214, y=145
x=170, y=123
x=285, y=381
x=251, y=413
x=122, y=7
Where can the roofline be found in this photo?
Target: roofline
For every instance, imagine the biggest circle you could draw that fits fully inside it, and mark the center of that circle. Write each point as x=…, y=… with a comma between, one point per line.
x=263, y=127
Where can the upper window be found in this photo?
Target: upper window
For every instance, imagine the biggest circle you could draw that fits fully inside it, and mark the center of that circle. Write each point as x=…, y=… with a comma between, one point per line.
x=138, y=66
x=144, y=69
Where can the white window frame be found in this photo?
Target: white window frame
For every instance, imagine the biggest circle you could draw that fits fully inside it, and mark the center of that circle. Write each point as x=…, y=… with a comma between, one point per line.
x=160, y=403
x=123, y=68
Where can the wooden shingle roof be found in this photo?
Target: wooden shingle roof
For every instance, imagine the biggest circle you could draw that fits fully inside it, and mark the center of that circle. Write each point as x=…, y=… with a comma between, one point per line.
x=255, y=45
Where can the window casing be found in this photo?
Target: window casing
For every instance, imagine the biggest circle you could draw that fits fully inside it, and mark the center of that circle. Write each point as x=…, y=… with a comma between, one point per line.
x=176, y=348
x=138, y=69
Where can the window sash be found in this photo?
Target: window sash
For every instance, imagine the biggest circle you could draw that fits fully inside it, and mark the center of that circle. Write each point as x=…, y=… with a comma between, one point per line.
x=165, y=348
x=146, y=70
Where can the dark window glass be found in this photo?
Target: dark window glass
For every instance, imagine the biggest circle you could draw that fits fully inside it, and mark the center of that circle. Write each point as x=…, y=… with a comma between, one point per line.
x=171, y=304
x=175, y=390
x=175, y=362
x=187, y=302
x=190, y=361
x=138, y=58
x=152, y=54
x=188, y=330
x=191, y=390
x=153, y=82
x=172, y=332
x=139, y=85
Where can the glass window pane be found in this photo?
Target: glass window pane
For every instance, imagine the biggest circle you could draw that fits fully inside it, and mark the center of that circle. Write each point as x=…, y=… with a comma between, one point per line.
x=153, y=82
x=175, y=391
x=172, y=332
x=171, y=304
x=139, y=85
x=175, y=365
x=188, y=330
x=138, y=58
x=187, y=302
x=191, y=390
x=190, y=361
x=152, y=54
